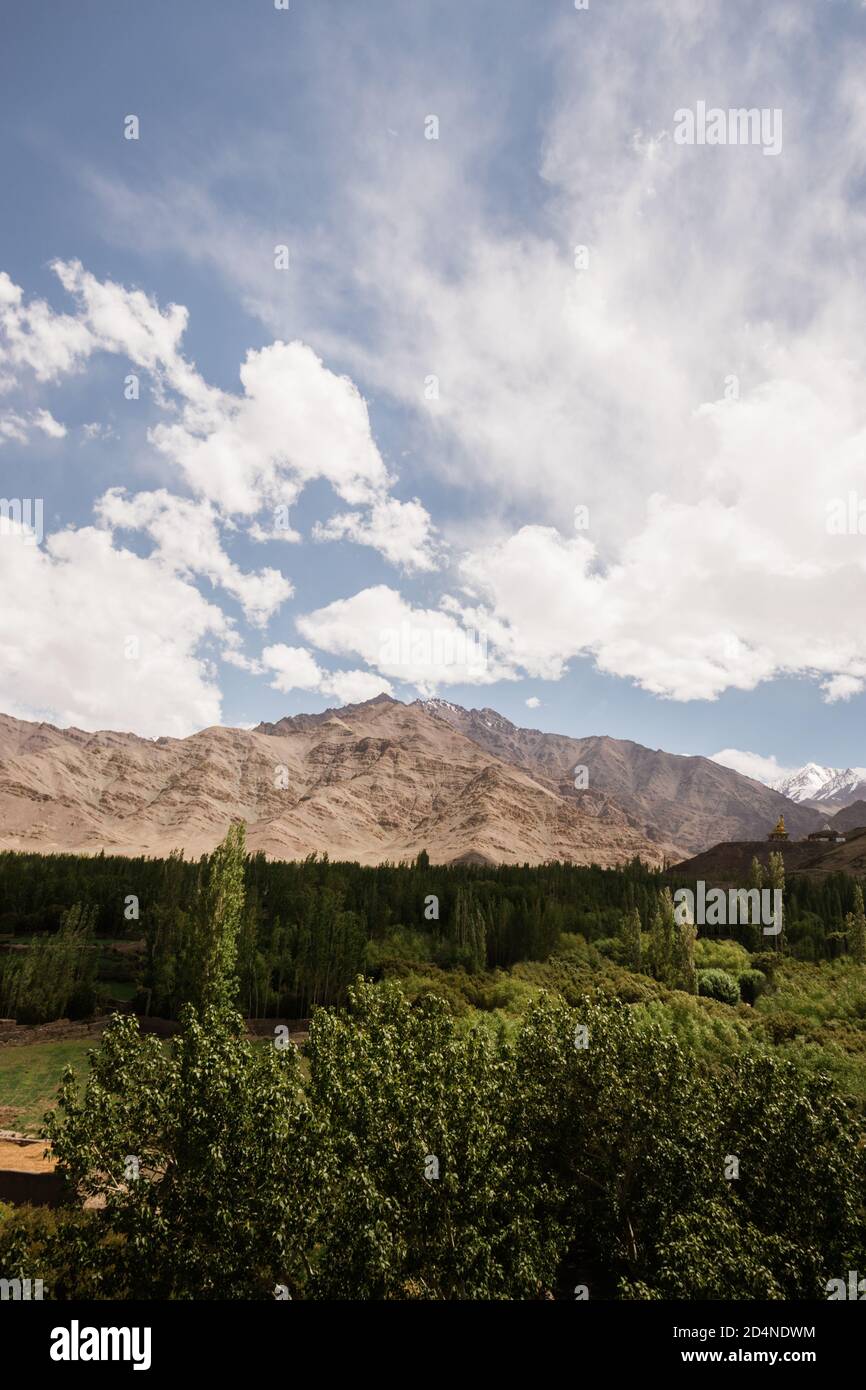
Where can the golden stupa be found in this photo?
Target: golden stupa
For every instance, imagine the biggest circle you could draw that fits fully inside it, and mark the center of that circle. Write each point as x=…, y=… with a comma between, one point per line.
x=780, y=833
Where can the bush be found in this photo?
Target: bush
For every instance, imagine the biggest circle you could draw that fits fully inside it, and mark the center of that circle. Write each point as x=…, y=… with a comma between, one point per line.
x=767, y=962
x=718, y=984
x=718, y=953
x=784, y=1025
x=82, y=1001
x=752, y=983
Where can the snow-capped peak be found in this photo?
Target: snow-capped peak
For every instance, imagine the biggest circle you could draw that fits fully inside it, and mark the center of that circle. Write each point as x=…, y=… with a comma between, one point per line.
x=816, y=783
x=806, y=782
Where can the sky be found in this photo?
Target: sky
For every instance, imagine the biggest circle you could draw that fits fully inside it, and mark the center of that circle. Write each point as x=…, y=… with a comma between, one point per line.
x=442, y=350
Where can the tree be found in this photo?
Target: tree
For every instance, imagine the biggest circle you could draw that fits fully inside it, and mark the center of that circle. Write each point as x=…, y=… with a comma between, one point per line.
x=198, y=1162
x=661, y=943
x=53, y=975
x=630, y=936
x=196, y=1159
x=719, y=984
x=433, y=1189
x=777, y=883
x=855, y=923
x=468, y=932
x=217, y=917
x=753, y=934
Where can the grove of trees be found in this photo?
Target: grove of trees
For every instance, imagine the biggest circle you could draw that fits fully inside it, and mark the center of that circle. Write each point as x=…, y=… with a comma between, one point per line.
x=587, y=1153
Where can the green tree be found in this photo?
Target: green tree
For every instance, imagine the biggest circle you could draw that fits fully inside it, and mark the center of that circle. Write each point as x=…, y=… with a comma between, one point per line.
x=672, y=945
x=630, y=936
x=217, y=917
x=856, y=928
x=197, y=1160
x=433, y=1191
x=53, y=975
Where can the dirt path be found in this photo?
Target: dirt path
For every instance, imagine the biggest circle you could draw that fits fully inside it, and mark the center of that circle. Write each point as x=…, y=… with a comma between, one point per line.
x=25, y=1158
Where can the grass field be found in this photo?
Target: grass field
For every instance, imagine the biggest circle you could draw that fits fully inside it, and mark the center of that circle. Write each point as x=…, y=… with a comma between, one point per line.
x=29, y=1077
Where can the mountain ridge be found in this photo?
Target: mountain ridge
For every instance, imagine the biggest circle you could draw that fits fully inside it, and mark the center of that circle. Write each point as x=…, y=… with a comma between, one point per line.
x=375, y=781
x=831, y=788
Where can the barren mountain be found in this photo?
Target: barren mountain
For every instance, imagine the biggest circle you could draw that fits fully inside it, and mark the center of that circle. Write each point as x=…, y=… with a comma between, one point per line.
x=850, y=817
x=690, y=802
x=372, y=782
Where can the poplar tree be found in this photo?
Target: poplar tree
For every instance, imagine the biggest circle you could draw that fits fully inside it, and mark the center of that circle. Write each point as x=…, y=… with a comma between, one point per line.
x=856, y=928
x=630, y=936
x=218, y=913
x=777, y=881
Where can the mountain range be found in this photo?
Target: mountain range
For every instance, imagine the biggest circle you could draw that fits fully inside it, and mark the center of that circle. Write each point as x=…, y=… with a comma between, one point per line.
x=825, y=788
x=375, y=782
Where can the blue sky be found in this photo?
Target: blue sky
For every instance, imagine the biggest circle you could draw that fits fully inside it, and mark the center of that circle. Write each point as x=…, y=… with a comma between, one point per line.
x=439, y=378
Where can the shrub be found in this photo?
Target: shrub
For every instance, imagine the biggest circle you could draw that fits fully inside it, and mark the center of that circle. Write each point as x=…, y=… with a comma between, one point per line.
x=718, y=953
x=718, y=984
x=752, y=983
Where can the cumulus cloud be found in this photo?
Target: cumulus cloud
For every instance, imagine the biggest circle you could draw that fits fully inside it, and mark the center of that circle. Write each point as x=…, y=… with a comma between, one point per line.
x=533, y=702
x=693, y=605
x=34, y=339
x=187, y=540
x=842, y=688
x=424, y=647
x=97, y=637
x=293, y=422
x=401, y=531
x=296, y=669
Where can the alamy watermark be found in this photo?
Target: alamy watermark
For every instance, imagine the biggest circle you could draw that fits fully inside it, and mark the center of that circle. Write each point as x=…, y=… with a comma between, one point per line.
x=22, y=517
x=21, y=1289
x=846, y=516
x=737, y=126
x=736, y=907
x=409, y=647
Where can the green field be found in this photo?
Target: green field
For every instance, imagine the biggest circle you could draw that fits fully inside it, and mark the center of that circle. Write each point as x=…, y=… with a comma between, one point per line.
x=29, y=1077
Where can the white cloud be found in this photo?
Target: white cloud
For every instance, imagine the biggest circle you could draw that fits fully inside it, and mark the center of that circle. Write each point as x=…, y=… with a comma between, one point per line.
x=33, y=339
x=96, y=637
x=188, y=541
x=842, y=688
x=43, y=420
x=705, y=598
x=533, y=702
x=756, y=765
x=297, y=669
x=354, y=687
x=295, y=421
x=14, y=426
x=20, y=427
x=401, y=531
x=425, y=647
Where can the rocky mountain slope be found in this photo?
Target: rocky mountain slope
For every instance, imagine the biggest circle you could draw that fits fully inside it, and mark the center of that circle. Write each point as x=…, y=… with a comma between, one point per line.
x=376, y=781
x=690, y=802
x=371, y=782
x=849, y=818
